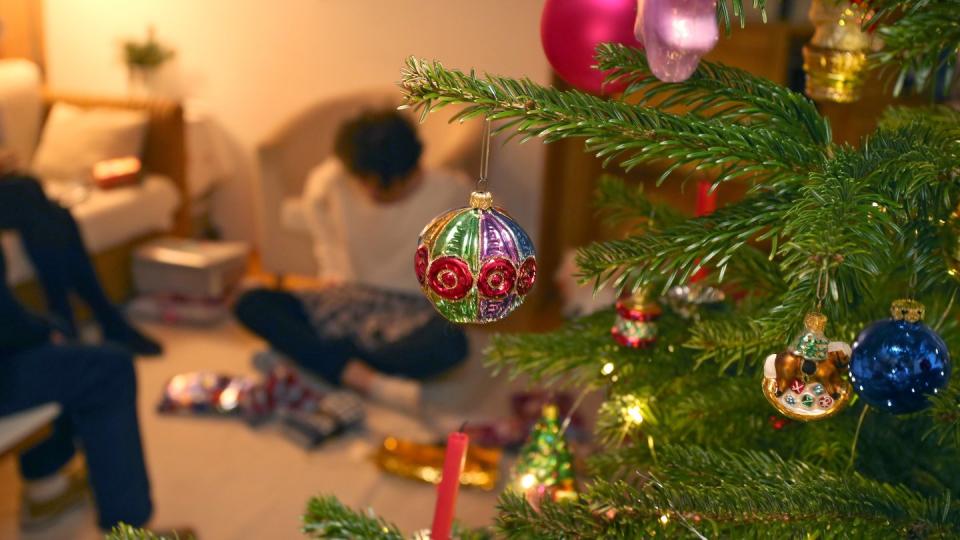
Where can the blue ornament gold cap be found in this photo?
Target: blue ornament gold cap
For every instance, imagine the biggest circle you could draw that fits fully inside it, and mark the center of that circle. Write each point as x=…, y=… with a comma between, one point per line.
x=906, y=309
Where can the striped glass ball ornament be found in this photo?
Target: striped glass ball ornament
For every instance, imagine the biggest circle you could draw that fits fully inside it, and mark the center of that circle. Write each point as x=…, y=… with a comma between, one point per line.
x=475, y=263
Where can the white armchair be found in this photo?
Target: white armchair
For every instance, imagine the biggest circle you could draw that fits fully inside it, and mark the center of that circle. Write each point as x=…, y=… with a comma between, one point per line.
x=302, y=143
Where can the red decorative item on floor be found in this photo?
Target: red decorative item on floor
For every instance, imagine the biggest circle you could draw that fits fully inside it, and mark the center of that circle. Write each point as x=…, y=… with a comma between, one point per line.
x=570, y=31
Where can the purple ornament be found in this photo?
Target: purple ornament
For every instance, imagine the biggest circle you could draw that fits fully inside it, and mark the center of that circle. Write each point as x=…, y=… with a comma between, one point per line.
x=676, y=34
x=570, y=31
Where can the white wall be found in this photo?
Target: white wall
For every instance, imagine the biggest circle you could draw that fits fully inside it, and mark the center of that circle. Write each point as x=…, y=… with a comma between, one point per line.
x=253, y=63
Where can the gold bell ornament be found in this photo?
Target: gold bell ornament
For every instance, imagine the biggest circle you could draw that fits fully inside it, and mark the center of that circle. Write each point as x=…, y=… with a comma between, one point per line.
x=835, y=60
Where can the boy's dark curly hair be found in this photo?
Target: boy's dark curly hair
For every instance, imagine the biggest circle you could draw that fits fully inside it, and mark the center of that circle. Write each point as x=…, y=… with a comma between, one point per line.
x=381, y=143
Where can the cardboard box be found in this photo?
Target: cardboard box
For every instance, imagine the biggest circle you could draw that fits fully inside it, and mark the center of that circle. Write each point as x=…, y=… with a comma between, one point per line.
x=190, y=268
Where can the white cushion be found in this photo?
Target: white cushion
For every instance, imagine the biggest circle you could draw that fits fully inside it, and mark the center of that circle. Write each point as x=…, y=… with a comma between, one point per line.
x=75, y=138
x=106, y=219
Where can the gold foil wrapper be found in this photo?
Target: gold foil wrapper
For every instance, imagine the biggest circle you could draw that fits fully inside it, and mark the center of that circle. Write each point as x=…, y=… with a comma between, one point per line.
x=424, y=462
x=835, y=60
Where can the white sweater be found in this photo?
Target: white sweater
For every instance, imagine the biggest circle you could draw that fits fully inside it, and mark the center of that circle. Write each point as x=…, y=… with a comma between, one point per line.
x=357, y=239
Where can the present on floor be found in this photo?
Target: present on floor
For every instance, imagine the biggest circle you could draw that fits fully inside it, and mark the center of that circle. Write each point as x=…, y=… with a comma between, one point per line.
x=186, y=281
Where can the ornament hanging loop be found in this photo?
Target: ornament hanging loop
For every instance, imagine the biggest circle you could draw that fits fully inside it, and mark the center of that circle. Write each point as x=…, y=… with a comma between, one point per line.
x=484, y=157
x=823, y=286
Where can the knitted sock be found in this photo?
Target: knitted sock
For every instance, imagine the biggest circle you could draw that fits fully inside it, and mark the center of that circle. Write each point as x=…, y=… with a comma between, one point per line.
x=47, y=488
x=396, y=392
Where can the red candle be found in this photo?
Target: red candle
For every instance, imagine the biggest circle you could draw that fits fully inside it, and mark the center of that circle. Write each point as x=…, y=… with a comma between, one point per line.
x=449, y=485
x=706, y=204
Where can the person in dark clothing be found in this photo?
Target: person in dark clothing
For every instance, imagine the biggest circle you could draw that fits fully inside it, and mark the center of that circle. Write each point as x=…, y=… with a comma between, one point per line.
x=94, y=385
x=50, y=237
x=371, y=330
x=96, y=388
x=329, y=332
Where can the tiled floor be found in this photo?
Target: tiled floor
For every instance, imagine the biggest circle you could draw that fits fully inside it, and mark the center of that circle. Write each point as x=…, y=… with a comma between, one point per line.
x=229, y=481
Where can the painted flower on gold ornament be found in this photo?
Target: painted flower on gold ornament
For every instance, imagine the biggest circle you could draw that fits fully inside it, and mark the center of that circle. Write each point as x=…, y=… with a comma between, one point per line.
x=528, y=275
x=450, y=278
x=420, y=260
x=497, y=277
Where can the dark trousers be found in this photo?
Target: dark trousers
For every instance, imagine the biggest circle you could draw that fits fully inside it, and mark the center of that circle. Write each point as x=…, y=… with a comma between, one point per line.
x=96, y=386
x=50, y=237
x=280, y=319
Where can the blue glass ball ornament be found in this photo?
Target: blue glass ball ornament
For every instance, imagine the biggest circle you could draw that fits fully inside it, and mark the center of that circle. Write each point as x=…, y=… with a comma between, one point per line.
x=896, y=363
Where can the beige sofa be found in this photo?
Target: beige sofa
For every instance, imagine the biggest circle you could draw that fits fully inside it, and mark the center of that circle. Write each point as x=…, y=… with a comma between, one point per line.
x=303, y=142
x=109, y=221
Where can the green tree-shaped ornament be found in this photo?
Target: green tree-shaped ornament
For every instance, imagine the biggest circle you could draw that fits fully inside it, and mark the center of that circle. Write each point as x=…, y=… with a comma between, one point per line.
x=545, y=465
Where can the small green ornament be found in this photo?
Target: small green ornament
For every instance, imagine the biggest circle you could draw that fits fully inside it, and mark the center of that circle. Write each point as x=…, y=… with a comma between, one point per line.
x=545, y=463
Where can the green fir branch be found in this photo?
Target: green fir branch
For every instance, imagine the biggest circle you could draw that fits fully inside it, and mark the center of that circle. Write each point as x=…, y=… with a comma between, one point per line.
x=677, y=252
x=720, y=92
x=327, y=518
x=921, y=40
x=619, y=203
x=715, y=493
x=614, y=130
x=123, y=531
x=731, y=342
x=725, y=7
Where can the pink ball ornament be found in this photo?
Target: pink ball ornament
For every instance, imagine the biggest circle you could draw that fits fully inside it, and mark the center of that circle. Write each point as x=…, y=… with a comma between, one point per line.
x=676, y=34
x=570, y=31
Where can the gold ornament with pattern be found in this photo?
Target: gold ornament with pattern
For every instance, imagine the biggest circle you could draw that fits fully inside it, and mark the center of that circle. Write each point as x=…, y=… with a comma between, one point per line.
x=807, y=381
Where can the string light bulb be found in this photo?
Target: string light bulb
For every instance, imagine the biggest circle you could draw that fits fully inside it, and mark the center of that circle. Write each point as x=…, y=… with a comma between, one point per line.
x=634, y=414
x=607, y=368
x=527, y=481
x=631, y=410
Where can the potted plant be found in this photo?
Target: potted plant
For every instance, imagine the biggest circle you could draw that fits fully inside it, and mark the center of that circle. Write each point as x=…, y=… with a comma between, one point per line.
x=143, y=58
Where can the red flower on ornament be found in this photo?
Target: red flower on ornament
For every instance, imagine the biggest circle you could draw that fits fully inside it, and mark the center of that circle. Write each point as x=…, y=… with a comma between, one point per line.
x=528, y=275
x=450, y=278
x=420, y=260
x=497, y=277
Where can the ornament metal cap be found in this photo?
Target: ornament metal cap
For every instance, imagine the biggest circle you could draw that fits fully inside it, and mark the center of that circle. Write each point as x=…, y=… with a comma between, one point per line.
x=906, y=309
x=481, y=200
x=815, y=322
